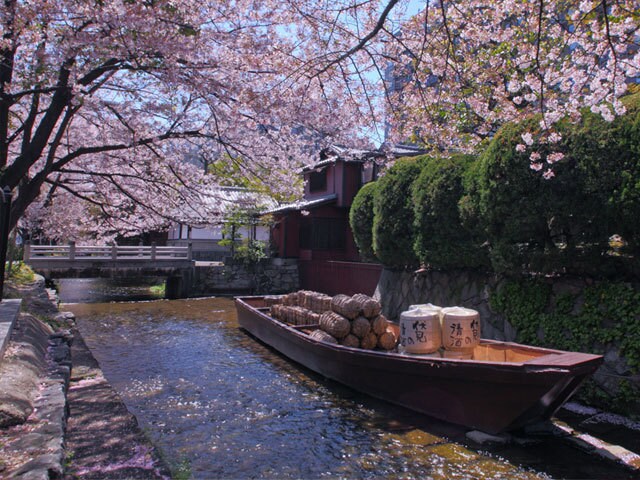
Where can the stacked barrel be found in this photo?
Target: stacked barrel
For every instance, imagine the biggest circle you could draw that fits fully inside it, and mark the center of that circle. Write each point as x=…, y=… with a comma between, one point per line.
x=299, y=308
x=354, y=321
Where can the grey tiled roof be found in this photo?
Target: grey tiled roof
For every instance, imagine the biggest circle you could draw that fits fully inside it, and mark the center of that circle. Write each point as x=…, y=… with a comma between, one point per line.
x=215, y=202
x=356, y=155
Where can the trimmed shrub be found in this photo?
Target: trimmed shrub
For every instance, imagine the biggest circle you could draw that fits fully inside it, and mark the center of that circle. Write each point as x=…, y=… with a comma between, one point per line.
x=608, y=156
x=393, y=223
x=441, y=240
x=535, y=225
x=469, y=204
x=361, y=220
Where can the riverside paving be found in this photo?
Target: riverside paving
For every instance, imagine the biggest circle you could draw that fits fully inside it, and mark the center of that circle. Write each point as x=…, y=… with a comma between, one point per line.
x=58, y=424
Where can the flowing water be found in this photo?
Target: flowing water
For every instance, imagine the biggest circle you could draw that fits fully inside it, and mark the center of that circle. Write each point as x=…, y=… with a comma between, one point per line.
x=219, y=404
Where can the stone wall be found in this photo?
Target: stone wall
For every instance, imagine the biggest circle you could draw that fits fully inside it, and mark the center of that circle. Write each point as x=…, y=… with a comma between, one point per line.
x=265, y=277
x=397, y=290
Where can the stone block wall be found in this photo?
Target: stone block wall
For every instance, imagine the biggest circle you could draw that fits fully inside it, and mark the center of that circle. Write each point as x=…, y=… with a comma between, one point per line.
x=269, y=276
x=397, y=290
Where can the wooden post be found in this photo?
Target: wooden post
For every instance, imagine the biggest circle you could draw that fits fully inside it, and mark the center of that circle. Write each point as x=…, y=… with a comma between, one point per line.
x=5, y=214
x=72, y=250
x=190, y=251
x=114, y=252
x=153, y=251
x=26, y=255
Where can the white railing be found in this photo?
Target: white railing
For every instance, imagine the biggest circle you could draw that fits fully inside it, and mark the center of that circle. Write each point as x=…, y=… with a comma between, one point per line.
x=73, y=252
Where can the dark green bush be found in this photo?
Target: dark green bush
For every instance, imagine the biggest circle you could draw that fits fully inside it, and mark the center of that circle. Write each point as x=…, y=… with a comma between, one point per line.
x=393, y=229
x=608, y=156
x=361, y=220
x=441, y=241
x=469, y=203
x=533, y=224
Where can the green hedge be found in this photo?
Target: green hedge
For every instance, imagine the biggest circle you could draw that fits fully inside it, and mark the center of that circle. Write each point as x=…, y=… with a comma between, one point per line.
x=393, y=223
x=526, y=224
x=361, y=220
x=608, y=156
x=441, y=241
x=533, y=224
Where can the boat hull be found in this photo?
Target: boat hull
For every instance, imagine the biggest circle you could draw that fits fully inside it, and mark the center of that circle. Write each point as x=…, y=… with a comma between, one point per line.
x=490, y=396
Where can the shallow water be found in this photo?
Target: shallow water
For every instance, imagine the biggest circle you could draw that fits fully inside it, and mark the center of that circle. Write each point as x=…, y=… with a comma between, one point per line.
x=94, y=290
x=219, y=404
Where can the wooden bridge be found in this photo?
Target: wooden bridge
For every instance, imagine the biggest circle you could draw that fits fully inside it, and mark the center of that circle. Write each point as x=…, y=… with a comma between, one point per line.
x=82, y=261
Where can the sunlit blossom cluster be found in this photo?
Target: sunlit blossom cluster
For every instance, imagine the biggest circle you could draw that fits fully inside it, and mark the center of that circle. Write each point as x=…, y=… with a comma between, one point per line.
x=481, y=64
x=107, y=98
x=103, y=100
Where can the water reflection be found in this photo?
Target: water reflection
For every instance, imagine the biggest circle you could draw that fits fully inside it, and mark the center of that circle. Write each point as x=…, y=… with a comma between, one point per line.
x=120, y=289
x=213, y=396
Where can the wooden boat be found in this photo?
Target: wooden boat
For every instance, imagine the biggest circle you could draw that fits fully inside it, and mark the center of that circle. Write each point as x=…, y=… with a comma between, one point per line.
x=505, y=387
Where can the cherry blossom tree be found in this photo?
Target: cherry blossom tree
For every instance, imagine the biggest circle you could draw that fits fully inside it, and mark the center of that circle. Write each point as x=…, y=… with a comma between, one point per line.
x=101, y=100
x=472, y=66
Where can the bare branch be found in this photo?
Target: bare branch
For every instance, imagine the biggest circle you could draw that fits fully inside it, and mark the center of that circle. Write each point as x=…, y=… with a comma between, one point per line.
x=376, y=29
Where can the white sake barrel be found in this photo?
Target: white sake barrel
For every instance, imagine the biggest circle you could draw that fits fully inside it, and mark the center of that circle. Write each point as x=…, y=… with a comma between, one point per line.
x=460, y=329
x=420, y=331
x=425, y=306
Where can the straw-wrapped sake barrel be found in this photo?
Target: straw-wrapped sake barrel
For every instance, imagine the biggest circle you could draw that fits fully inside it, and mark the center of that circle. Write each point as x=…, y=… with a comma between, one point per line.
x=335, y=324
x=460, y=332
x=420, y=331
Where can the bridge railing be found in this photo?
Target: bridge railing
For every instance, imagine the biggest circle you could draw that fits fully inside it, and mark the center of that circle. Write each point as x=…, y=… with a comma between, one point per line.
x=106, y=252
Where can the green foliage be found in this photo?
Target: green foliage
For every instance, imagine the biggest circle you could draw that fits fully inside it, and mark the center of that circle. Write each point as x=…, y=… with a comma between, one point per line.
x=393, y=222
x=606, y=314
x=231, y=172
x=522, y=302
x=246, y=250
x=361, y=220
x=529, y=224
x=251, y=251
x=21, y=273
x=533, y=224
x=158, y=290
x=608, y=157
x=441, y=240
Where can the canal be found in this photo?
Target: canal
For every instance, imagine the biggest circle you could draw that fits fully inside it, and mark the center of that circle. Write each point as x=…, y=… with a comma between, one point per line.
x=218, y=404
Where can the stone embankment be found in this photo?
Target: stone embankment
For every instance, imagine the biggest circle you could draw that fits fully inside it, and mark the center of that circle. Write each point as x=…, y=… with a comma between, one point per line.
x=273, y=275
x=34, y=378
x=59, y=417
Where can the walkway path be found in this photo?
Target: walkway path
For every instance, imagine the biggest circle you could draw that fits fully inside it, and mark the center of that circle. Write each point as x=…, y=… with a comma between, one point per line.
x=102, y=439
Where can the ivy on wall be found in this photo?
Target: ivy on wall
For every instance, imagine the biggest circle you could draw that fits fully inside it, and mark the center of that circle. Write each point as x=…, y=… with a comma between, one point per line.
x=604, y=314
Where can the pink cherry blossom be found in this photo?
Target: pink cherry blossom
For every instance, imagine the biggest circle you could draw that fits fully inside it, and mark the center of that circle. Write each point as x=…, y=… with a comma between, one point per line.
x=555, y=157
x=527, y=138
x=554, y=137
x=537, y=166
x=101, y=102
